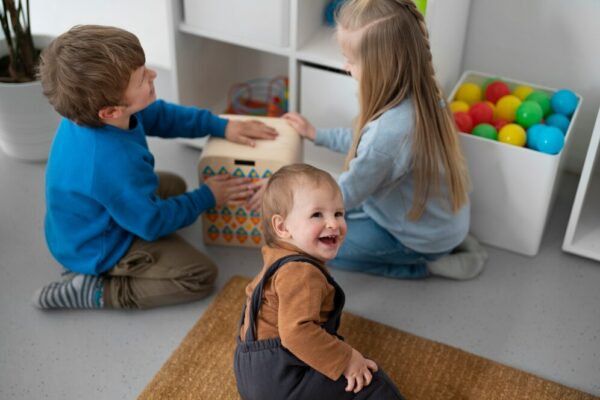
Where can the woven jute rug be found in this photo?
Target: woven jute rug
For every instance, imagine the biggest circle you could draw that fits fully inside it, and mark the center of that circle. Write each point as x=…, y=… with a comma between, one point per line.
x=202, y=366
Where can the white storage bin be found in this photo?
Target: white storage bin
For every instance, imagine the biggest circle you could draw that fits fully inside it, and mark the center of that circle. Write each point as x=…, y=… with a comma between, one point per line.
x=262, y=21
x=329, y=99
x=513, y=187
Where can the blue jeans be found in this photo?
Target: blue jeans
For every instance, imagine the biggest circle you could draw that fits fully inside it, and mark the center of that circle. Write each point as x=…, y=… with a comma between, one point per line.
x=371, y=249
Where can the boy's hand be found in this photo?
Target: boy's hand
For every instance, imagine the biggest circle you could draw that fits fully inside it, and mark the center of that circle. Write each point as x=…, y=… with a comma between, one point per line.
x=358, y=372
x=245, y=131
x=227, y=189
x=259, y=190
x=301, y=124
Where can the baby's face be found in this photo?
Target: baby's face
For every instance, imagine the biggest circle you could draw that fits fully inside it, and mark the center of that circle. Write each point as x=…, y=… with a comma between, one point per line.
x=316, y=223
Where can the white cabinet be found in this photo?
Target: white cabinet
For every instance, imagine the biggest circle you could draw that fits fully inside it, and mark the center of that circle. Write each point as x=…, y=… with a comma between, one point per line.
x=583, y=231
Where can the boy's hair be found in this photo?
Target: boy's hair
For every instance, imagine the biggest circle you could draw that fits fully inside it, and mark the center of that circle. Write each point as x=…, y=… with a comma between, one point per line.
x=279, y=193
x=88, y=68
x=391, y=44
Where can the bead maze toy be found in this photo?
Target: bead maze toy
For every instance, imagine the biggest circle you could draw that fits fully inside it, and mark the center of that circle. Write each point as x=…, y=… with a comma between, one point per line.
x=237, y=225
x=261, y=96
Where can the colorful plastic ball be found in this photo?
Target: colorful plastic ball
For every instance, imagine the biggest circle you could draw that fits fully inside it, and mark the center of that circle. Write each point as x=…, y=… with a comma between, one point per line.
x=512, y=134
x=499, y=124
x=532, y=135
x=495, y=90
x=550, y=140
x=481, y=113
x=469, y=93
x=564, y=102
x=488, y=81
x=529, y=113
x=485, y=131
x=458, y=106
x=463, y=121
x=507, y=107
x=522, y=92
x=558, y=120
x=542, y=99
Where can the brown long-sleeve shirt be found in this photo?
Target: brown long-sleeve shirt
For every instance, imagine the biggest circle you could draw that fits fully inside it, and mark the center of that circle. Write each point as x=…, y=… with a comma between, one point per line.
x=297, y=301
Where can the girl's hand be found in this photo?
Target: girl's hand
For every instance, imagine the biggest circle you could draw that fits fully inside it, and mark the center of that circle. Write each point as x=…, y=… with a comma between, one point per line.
x=227, y=189
x=358, y=372
x=245, y=132
x=255, y=200
x=301, y=124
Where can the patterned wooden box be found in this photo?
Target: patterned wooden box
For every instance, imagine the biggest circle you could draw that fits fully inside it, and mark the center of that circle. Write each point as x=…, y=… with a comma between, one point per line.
x=238, y=225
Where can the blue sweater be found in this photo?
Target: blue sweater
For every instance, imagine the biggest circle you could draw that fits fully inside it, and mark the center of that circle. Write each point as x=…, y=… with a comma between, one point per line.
x=101, y=186
x=380, y=180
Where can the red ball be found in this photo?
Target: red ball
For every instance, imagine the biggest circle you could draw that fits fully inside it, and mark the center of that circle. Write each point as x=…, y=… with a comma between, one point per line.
x=499, y=123
x=496, y=90
x=464, y=122
x=481, y=113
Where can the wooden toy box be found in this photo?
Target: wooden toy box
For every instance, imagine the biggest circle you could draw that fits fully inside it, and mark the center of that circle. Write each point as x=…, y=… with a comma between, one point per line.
x=238, y=225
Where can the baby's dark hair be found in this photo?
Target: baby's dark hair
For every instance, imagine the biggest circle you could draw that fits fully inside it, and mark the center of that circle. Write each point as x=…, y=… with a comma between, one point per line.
x=88, y=68
x=278, y=198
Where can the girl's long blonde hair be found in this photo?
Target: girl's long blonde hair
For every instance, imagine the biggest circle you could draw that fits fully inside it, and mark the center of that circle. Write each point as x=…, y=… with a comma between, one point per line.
x=395, y=62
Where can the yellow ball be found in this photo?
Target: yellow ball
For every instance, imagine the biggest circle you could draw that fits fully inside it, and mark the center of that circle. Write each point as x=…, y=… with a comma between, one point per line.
x=506, y=107
x=469, y=93
x=512, y=134
x=459, y=106
x=522, y=92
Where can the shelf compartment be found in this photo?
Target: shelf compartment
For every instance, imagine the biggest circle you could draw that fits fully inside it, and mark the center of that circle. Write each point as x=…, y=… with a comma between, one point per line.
x=263, y=25
x=583, y=230
x=328, y=99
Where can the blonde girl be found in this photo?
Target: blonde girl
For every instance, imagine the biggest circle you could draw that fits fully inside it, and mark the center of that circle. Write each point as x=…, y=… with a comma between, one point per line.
x=405, y=181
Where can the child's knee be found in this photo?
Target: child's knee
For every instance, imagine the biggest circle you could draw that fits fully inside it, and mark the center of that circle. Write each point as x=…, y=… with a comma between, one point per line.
x=204, y=272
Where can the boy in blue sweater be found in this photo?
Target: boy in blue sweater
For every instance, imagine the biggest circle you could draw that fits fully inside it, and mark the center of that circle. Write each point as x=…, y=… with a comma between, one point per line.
x=110, y=219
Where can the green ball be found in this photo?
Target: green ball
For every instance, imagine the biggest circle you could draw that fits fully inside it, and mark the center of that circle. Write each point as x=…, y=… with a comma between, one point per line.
x=542, y=99
x=529, y=113
x=485, y=131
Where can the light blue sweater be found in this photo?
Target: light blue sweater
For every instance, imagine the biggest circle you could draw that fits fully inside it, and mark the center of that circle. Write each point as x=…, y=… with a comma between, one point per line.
x=101, y=186
x=380, y=180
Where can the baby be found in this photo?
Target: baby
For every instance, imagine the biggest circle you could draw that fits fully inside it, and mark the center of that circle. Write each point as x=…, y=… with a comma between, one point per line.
x=288, y=346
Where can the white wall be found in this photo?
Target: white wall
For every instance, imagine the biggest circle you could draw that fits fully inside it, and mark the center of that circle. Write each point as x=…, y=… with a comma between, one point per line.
x=553, y=43
x=149, y=20
x=144, y=18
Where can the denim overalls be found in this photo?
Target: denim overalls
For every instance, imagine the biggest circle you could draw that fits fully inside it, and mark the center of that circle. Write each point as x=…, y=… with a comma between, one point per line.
x=265, y=370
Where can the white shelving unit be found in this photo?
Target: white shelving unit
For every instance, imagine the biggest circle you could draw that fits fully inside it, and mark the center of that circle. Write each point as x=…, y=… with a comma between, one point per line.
x=583, y=231
x=213, y=52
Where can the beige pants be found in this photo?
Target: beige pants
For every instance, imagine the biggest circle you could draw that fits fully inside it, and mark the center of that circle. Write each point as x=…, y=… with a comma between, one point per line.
x=166, y=271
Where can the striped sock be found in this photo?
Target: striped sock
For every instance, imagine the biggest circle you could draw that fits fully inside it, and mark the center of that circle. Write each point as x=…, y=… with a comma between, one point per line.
x=78, y=291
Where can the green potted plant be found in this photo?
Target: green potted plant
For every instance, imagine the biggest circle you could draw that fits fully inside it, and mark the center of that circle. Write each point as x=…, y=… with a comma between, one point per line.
x=27, y=121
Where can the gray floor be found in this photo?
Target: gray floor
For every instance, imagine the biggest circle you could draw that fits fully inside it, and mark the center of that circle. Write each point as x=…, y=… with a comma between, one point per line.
x=538, y=314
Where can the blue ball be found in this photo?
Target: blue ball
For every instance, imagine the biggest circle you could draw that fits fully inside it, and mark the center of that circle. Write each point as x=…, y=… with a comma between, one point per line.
x=558, y=120
x=564, y=102
x=532, y=135
x=550, y=140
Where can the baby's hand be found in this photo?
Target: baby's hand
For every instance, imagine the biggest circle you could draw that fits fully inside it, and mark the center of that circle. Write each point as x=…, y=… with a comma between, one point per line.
x=301, y=124
x=227, y=189
x=245, y=131
x=358, y=372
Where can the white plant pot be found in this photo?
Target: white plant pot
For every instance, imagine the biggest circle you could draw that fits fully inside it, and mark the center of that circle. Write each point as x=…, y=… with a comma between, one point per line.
x=27, y=121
